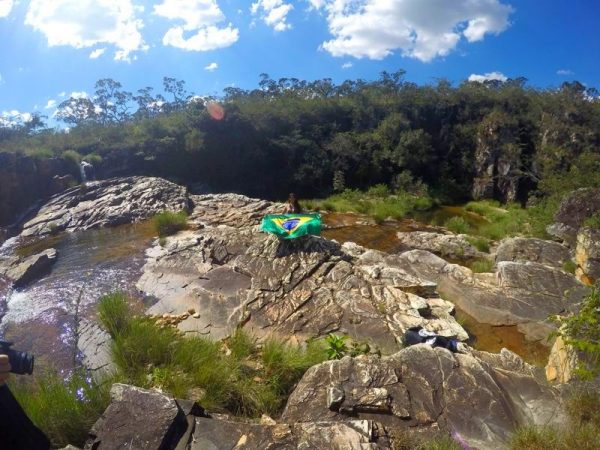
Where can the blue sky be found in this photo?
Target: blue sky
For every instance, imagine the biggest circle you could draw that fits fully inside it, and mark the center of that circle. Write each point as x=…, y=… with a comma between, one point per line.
x=52, y=48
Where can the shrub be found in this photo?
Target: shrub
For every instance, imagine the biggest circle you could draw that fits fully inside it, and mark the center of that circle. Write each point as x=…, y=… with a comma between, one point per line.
x=480, y=243
x=482, y=266
x=336, y=346
x=72, y=156
x=167, y=223
x=113, y=313
x=593, y=222
x=42, y=153
x=378, y=191
x=457, y=225
x=93, y=158
x=64, y=409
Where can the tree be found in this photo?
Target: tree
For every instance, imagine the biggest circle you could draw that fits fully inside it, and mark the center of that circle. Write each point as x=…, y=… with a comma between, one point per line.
x=111, y=103
x=76, y=111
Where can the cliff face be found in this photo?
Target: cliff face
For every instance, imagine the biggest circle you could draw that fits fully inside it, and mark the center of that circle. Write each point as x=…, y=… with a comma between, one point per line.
x=24, y=180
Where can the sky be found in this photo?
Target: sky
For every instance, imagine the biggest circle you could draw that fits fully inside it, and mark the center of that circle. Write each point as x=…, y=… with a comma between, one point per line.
x=53, y=49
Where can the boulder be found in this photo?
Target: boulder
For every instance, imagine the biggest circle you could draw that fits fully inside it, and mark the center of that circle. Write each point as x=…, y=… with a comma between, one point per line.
x=578, y=206
x=562, y=362
x=450, y=246
x=22, y=271
x=106, y=203
x=297, y=289
x=532, y=249
x=480, y=397
x=518, y=293
x=587, y=255
x=95, y=346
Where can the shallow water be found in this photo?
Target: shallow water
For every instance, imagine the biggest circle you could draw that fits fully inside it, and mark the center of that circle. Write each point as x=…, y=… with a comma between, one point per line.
x=41, y=318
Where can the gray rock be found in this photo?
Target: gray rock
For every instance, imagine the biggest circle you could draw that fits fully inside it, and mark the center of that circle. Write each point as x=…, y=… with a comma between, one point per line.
x=452, y=246
x=22, y=271
x=587, y=254
x=482, y=397
x=573, y=211
x=106, y=203
x=233, y=275
x=531, y=249
x=95, y=345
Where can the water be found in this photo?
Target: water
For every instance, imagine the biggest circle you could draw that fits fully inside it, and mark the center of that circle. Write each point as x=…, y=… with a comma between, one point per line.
x=41, y=318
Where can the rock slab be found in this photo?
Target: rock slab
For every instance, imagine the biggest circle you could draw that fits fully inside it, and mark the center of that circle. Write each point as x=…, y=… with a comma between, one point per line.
x=22, y=271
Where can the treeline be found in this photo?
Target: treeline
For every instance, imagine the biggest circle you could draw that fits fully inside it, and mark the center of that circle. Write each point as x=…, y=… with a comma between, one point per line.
x=319, y=137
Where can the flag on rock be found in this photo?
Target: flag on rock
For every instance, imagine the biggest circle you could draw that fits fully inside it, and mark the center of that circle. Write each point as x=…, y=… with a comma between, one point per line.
x=290, y=226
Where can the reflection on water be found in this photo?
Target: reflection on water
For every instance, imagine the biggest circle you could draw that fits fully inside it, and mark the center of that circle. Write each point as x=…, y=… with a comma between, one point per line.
x=41, y=318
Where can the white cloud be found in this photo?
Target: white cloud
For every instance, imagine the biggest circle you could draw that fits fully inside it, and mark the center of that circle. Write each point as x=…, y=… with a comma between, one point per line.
x=86, y=23
x=421, y=29
x=62, y=94
x=499, y=76
x=212, y=67
x=97, y=53
x=5, y=7
x=13, y=118
x=565, y=72
x=50, y=104
x=200, y=18
x=274, y=13
x=347, y=65
x=79, y=94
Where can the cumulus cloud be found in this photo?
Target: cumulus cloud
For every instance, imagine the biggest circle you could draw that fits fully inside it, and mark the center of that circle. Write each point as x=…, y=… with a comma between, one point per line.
x=421, y=29
x=273, y=13
x=565, y=72
x=491, y=76
x=200, y=30
x=212, y=67
x=97, y=53
x=79, y=94
x=347, y=65
x=86, y=23
x=5, y=7
x=14, y=118
x=50, y=104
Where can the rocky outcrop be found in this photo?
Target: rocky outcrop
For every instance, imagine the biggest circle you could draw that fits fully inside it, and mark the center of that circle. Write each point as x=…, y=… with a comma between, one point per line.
x=562, y=362
x=522, y=294
x=480, y=397
x=22, y=271
x=106, y=203
x=451, y=246
x=531, y=249
x=26, y=180
x=232, y=275
x=587, y=255
x=578, y=206
x=95, y=346
x=142, y=419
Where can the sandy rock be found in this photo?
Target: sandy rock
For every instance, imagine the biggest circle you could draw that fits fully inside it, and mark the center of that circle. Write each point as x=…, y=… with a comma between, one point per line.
x=587, y=255
x=452, y=246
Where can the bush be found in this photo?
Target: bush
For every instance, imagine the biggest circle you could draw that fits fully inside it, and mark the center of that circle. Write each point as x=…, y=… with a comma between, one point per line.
x=480, y=243
x=167, y=223
x=72, y=156
x=42, y=153
x=593, y=222
x=93, y=158
x=113, y=313
x=64, y=409
x=482, y=266
x=457, y=225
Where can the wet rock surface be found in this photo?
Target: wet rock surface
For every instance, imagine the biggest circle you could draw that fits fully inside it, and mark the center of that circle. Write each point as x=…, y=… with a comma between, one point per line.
x=452, y=246
x=22, y=271
x=95, y=346
x=531, y=249
x=106, y=203
x=234, y=275
x=482, y=397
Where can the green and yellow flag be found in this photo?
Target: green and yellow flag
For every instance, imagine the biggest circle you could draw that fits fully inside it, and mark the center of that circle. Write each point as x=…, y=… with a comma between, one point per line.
x=290, y=226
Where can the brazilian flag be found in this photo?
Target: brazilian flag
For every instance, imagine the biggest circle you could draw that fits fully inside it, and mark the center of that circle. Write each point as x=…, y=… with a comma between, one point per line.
x=290, y=226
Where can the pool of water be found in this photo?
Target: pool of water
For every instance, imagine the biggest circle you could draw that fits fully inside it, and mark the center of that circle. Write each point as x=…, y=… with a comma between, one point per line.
x=41, y=318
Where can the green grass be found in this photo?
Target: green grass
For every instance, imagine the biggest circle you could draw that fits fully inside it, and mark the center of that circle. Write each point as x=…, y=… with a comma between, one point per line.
x=238, y=376
x=71, y=156
x=480, y=243
x=401, y=439
x=569, y=266
x=593, y=222
x=457, y=225
x=482, y=266
x=167, y=223
x=378, y=202
x=63, y=409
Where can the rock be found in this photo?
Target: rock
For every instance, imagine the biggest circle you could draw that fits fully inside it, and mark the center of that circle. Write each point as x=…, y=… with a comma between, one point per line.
x=518, y=293
x=587, y=255
x=138, y=418
x=307, y=287
x=562, y=362
x=482, y=397
x=231, y=209
x=95, y=345
x=451, y=246
x=23, y=271
x=531, y=249
x=106, y=203
x=578, y=206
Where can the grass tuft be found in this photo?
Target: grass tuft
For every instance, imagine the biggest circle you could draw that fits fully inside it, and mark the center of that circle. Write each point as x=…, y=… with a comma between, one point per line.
x=457, y=225
x=167, y=223
x=482, y=266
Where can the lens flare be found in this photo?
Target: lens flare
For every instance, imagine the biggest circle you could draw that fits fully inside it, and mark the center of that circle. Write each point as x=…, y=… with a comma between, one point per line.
x=215, y=110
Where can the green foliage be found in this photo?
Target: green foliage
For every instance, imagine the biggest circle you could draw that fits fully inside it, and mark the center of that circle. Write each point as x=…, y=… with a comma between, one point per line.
x=64, y=409
x=113, y=313
x=482, y=266
x=72, y=156
x=569, y=266
x=480, y=243
x=238, y=376
x=336, y=346
x=457, y=225
x=535, y=438
x=167, y=223
x=93, y=158
x=42, y=153
x=582, y=332
x=593, y=221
